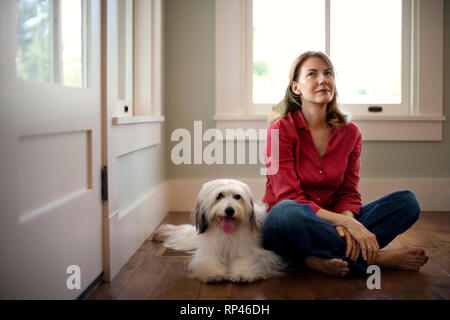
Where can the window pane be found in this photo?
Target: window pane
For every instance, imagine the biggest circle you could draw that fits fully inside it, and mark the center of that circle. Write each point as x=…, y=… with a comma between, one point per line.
x=282, y=30
x=50, y=41
x=366, y=50
x=125, y=53
x=35, y=39
x=72, y=45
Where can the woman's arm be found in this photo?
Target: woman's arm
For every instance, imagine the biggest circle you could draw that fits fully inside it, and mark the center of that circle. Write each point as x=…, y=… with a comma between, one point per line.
x=348, y=213
x=331, y=217
x=348, y=196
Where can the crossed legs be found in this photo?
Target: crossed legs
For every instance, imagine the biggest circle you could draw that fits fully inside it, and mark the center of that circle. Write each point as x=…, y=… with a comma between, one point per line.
x=293, y=231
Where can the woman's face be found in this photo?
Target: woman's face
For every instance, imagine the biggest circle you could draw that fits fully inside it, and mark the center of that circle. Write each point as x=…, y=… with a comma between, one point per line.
x=315, y=83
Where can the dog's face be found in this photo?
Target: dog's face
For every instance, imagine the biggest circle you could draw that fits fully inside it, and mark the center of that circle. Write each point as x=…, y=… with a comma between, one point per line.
x=225, y=202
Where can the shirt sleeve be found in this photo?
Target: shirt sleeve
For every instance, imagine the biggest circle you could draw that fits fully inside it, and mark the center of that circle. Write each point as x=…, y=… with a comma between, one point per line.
x=348, y=196
x=285, y=182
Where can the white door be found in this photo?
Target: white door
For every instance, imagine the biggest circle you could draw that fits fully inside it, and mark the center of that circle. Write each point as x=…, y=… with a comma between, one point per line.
x=50, y=148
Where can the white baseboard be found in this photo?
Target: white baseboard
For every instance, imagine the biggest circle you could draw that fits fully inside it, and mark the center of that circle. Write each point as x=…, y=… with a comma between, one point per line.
x=132, y=228
x=433, y=194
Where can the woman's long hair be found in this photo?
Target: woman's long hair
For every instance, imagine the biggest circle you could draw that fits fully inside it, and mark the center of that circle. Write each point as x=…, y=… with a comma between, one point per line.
x=292, y=101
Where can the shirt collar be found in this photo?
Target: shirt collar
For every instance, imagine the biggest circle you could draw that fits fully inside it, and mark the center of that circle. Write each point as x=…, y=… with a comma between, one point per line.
x=299, y=119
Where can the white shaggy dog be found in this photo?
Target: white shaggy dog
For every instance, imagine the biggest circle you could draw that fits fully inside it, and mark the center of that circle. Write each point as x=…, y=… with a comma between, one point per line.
x=226, y=238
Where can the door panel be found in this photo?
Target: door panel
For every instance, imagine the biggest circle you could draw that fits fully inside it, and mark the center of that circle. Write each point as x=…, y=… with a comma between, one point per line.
x=50, y=168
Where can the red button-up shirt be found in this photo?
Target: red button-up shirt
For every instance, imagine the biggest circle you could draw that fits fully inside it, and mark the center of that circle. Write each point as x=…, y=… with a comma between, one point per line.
x=329, y=182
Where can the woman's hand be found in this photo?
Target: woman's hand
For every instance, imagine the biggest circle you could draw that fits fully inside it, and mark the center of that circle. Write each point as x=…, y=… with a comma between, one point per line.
x=352, y=249
x=366, y=240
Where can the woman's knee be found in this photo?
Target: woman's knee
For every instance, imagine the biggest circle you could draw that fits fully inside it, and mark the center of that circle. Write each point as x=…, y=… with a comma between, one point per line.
x=285, y=213
x=285, y=220
x=410, y=203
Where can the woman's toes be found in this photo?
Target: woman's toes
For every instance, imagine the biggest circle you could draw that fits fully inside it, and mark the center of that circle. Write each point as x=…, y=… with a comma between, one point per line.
x=417, y=251
x=424, y=261
x=333, y=267
x=342, y=268
x=343, y=272
x=339, y=263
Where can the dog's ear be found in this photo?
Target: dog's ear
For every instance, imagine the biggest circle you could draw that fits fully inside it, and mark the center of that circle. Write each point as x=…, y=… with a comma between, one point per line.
x=201, y=227
x=252, y=216
x=199, y=216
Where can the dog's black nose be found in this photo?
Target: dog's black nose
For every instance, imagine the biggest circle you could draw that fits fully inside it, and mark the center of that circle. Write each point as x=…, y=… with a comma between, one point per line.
x=229, y=211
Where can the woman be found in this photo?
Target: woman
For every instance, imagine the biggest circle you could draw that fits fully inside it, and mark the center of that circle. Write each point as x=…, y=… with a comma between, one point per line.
x=315, y=212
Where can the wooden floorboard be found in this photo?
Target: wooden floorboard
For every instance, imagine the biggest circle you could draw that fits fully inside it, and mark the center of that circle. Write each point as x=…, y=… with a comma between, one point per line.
x=157, y=273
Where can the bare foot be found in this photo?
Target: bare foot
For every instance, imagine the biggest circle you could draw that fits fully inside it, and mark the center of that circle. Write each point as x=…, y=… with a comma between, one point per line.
x=333, y=267
x=405, y=258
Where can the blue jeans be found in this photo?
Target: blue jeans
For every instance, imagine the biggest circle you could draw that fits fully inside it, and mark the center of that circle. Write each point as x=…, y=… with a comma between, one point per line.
x=293, y=231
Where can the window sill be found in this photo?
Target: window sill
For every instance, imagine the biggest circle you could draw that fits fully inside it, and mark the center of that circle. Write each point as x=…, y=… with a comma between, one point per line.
x=373, y=128
x=119, y=120
x=131, y=133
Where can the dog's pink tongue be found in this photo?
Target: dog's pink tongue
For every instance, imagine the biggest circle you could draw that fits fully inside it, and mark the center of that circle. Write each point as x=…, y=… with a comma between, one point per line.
x=227, y=225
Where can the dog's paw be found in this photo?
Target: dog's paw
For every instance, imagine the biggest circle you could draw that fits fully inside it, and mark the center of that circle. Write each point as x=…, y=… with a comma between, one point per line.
x=240, y=277
x=244, y=271
x=211, y=278
x=218, y=275
x=208, y=270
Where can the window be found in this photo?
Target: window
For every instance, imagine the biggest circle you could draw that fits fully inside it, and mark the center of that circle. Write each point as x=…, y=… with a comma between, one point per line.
x=387, y=53
x=134, y=60
x=278, y=43
x=52, y=41
x=368, y=58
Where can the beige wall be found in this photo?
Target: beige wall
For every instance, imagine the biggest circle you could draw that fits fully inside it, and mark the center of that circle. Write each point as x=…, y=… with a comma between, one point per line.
x=189, y=95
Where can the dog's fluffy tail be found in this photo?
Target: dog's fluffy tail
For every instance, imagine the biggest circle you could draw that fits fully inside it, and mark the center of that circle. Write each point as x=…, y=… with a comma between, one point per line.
x=182, y=237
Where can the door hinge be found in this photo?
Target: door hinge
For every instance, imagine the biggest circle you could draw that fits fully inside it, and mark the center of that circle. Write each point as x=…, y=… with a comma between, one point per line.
x=105, y=183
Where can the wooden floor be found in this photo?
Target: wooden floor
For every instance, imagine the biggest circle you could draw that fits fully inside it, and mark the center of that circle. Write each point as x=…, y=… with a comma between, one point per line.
x=155, y=272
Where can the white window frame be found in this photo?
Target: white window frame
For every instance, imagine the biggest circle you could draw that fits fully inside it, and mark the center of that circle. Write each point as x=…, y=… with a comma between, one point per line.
x=142, y=50
x=421, y=120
